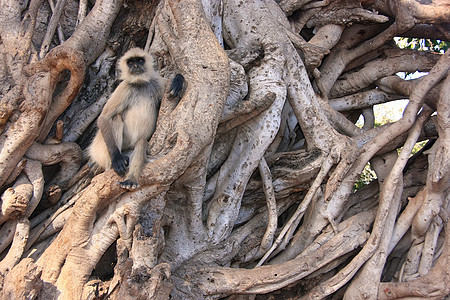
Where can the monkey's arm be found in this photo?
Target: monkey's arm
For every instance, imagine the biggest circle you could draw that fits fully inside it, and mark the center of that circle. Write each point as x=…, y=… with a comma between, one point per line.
x=110, y=124
x=118, y=161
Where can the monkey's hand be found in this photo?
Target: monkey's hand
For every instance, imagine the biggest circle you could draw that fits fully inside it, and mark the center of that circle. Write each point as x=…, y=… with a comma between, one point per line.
x=119, y=163
x=176, y=87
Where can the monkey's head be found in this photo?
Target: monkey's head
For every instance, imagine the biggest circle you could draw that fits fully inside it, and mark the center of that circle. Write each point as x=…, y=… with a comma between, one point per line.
x=136, y=66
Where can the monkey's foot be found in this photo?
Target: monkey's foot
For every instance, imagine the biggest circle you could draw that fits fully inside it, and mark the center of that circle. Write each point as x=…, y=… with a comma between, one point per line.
x=130, y=185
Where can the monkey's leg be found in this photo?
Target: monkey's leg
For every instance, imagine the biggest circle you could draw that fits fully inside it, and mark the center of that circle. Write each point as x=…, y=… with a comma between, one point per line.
x=136, y=163
x=100, y=160
x=118, y=160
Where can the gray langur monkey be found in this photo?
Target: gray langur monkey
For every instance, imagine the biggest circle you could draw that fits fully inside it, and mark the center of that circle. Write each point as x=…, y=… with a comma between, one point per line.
x=128, y=119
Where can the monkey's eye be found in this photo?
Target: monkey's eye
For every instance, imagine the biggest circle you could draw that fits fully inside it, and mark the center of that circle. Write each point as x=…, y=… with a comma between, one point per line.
x=139, y=61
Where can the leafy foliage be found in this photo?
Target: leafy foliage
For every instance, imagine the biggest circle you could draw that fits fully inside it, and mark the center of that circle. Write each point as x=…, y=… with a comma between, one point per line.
x=437, y=46
x=367, y=176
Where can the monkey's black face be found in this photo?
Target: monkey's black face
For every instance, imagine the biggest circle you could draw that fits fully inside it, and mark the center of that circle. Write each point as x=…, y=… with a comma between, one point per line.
x=136, y=65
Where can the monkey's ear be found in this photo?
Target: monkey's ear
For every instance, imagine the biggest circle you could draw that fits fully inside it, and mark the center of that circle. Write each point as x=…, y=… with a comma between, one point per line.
x=176, y=87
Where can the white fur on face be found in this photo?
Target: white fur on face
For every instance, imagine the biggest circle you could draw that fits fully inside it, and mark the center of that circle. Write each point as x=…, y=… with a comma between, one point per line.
x=148, y=66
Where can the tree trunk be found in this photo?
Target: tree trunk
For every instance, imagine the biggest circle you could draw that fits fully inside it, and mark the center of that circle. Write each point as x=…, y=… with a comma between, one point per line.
x=249, y=186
